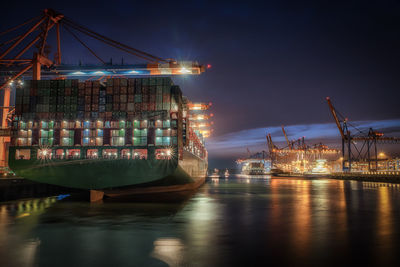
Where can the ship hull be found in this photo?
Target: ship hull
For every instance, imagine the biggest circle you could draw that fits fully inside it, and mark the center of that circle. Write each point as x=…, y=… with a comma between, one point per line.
x=118, y=177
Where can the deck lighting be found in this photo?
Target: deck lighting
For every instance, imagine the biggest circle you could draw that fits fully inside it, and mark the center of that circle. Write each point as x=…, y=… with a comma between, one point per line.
x=169, y=152
x=78, y=73
x=184, y=70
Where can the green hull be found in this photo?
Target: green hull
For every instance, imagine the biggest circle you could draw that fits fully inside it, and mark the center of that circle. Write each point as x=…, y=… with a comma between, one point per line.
x=97, y=174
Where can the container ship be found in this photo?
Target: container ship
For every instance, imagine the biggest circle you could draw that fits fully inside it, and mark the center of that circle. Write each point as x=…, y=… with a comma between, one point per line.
x=116, y=138
x=255, y=164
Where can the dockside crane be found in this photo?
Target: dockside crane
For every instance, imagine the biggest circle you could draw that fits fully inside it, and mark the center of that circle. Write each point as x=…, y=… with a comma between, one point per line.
x=32, y=37
x=359, y=147
x=41, y=65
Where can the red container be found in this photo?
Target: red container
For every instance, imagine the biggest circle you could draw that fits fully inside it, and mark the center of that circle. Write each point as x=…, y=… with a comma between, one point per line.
x=145, y=106
x=67, y=91
x=123, y=98
x=138, y=107
x=88, y=99
x=122, y=106
x=131, y=90
x=87, y=115
x=33, y=92
x=81, y=92
x=116, y=99
x=109, y=90
x=88, y=90
x=131, y=115
x=152, y=106
x=123, y=90
x=116, y=90
x=108, y=115
x=166, y=98
x=88, y=84
x=131, y=98
x=95, y=90
x=44, y=115
x=102, y=115
x=87, y=107
x=131, y=82
x=95, y=107
x=116, y=82
x=145, y=90
x=116, y=106
x=81, y=86
x=95, y=100
x=60, y=115
x=96, y=84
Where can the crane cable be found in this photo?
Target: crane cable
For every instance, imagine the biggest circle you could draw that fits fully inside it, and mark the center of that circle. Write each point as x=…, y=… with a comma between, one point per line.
x=103, y=38
x=18, y=26
x=107, y=42
x=82, y=43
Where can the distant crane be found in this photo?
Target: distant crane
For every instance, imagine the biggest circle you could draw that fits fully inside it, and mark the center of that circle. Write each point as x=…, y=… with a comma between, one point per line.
x=290, y=145
x=361, y=147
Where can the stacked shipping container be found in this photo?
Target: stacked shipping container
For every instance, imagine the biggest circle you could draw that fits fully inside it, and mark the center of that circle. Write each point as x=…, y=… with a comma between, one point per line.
x=117, y=113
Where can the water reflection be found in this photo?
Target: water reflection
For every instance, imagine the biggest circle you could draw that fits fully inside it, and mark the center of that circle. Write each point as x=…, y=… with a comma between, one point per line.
x=169, y=250
x=17, y=219
x=239, y=221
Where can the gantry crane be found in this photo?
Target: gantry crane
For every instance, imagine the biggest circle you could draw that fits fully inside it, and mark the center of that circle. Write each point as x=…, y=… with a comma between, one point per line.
x=41, y=64
x=359, y=147
x=32, y=36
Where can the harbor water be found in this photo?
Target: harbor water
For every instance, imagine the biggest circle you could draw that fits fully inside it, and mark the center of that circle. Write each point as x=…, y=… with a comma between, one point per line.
x=234, y=221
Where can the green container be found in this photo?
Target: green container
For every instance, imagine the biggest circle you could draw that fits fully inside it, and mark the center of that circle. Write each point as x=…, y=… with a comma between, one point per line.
x=25, y=100
x=60, y=83
x=26, y=91
x=138, y=98
x=68, y=83
x=109, y=107
x=166, y=89
x=19, y=100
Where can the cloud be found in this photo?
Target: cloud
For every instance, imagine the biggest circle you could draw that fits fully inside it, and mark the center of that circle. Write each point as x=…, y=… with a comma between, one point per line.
x=255, y=139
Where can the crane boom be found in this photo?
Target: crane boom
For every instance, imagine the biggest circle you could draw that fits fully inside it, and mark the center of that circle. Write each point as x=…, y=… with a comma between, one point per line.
x=287, y=140
x=14, y=67
x=335, y=117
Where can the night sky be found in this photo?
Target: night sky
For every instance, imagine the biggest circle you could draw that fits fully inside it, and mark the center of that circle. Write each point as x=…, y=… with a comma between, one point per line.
x=272, y=63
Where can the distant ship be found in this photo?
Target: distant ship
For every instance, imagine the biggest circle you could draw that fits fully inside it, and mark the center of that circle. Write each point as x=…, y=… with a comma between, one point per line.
x=254, y=167
x=215, y=173
x=226, y=174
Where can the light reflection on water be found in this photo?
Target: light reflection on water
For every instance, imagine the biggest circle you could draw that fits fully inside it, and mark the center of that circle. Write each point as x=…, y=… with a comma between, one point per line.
x=229, y=222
